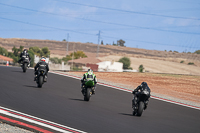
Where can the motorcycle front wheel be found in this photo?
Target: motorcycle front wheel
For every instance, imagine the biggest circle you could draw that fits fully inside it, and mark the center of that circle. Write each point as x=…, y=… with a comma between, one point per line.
x=140, y=108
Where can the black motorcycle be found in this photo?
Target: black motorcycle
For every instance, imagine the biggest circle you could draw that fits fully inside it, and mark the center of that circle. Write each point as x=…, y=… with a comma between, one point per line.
x=40, y=79
x=141, y=99
x=25, y=63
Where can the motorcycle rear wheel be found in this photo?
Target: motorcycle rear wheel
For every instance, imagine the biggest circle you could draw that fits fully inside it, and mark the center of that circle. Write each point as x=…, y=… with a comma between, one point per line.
x=40, y=81
x=87, y=95
x=24, y=67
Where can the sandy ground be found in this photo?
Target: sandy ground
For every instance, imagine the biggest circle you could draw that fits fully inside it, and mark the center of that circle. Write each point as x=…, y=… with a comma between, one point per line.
x=158, y=66
x=183, y=87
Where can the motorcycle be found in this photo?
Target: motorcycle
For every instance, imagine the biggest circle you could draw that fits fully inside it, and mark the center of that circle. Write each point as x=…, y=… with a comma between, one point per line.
x=40, y=79
x=140, y=105
x=25, y=63
x=88, y=89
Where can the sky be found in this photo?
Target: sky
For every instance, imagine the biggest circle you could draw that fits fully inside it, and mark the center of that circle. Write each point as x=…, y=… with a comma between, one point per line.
x=147, y=24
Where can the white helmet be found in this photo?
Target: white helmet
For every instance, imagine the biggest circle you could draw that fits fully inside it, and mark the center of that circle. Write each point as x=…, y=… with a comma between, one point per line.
x=90, y=71
x=43, y=59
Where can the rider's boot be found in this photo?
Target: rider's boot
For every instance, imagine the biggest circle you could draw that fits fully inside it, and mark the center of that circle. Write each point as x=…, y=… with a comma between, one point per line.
x=145, y=105
x=93, y=90
x=35, y=77
x=45, y=78
x=82, y=88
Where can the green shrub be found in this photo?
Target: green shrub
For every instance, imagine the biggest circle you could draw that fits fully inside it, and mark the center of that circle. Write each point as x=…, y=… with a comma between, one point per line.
x=31, y=54
x=130, y=68
x=126, y=62
x=190, y=63
x=141, y=68
x=182, y=61
x=55, y=60
x=197, y=52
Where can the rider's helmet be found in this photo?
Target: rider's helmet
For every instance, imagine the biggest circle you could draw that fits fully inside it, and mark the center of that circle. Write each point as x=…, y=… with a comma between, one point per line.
x=90, y=72
x=144, y=84
x=43, y=59
x=25, y=51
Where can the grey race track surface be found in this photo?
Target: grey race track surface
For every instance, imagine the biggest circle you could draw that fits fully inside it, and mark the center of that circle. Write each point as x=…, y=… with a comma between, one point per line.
x=109, y=111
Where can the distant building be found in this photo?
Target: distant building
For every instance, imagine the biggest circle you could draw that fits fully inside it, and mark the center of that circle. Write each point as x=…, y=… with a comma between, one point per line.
x=110, y=66
x=85, y=63
x=4, y=59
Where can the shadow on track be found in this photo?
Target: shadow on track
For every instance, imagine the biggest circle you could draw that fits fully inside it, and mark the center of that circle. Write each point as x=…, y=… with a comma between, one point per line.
x=76, y=99
x=18, y=71
x=30, y=86
x=126, y=114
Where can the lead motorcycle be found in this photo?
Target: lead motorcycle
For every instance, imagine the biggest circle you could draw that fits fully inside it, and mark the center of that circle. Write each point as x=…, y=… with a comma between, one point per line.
x=141, y=104
x=88, y=89
x=25, y=63
x=40, y=79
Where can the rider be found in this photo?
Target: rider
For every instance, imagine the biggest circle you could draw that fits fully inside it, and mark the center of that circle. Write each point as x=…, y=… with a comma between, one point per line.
x=23, y=55
x=136, y=93
x=41, y=65
x=89, y=76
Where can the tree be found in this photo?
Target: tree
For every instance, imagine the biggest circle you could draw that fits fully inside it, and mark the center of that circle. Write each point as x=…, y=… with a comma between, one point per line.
x=45, y=52
x=114, y=44
x=77, y=55
x=36, y=50
x=3, y=51
x=55, y=60
x=197, y=52
x=101, y=42
x=64, y=40
x=16, y=53
x=120, y=42
x=41, y=52
x=126, y=62
x=21, y=48
x=31, y=54
x=141, y=68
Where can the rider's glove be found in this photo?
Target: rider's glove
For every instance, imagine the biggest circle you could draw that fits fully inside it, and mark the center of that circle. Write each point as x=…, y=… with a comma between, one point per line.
x=134, y=92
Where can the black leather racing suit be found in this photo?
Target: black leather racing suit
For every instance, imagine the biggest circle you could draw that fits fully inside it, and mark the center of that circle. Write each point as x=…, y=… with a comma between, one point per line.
x=41, y=65
x=137, y=91
x=24, y=55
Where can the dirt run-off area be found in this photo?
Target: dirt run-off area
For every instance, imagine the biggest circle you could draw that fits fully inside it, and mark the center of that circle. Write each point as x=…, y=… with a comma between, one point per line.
x=181, y=88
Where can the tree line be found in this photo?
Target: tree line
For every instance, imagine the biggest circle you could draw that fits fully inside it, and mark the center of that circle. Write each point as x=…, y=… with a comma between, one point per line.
x=15, y=54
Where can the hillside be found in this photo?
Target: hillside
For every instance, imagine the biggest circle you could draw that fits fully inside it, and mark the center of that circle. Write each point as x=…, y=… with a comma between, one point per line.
x=153, y=60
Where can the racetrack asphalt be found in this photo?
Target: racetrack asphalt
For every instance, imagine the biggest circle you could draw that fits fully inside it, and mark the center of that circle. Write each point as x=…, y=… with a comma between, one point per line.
x=109, y=111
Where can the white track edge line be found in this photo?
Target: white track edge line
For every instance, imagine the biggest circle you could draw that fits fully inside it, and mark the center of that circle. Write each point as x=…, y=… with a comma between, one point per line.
x=32, y=121
x=41, y=120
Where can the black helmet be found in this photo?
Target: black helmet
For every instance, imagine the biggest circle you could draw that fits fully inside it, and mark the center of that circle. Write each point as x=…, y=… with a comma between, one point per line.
x=143, y=84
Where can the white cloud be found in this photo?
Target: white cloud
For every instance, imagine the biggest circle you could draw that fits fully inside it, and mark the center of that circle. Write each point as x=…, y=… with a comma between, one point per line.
x=64, y=12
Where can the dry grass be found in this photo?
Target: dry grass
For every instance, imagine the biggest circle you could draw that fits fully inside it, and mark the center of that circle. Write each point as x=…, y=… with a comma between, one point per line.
x=179, y=86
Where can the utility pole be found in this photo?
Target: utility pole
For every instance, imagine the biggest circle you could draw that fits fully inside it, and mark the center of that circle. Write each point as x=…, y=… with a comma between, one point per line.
x=67, y=43
x=73, y=59
x=99, y=36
